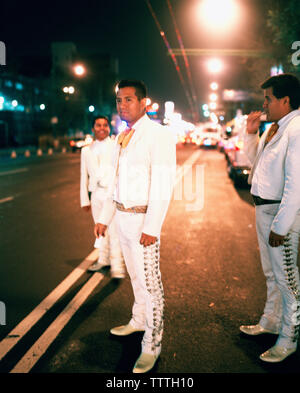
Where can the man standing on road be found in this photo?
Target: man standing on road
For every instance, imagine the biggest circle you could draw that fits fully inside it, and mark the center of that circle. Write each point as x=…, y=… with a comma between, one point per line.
x=96, y=171
x=275, y=179
x=145, y=167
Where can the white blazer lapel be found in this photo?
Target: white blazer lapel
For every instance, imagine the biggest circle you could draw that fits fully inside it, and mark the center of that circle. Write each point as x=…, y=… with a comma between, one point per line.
x=139, y=132
x=277, y=136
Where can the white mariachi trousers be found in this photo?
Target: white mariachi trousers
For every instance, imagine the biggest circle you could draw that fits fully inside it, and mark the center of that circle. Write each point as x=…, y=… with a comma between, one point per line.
x=110, y=252
x=279, y=264
x=142, y=264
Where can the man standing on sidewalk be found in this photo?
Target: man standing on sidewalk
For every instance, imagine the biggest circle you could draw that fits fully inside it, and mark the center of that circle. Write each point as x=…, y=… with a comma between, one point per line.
x=96, y=171
x=145, y=168
x=275, y=187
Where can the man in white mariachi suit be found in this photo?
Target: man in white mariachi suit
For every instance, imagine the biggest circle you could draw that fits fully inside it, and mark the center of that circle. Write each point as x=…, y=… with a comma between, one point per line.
x=95, y=174
x=140, y=192
x=275, y=186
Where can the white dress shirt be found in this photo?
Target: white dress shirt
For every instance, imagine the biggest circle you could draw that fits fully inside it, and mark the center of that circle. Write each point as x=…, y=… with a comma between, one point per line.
x=145, y=175
x=96, y=168
x=276, y=173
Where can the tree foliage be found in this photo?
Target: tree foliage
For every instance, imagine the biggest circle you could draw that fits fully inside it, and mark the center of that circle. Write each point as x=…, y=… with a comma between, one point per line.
x=283, y=18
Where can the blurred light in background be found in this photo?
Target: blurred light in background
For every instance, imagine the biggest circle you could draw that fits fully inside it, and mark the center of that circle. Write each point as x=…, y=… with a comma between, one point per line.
x=214, y=86
x=122, y=127
x=218, y=15
x=213, y=97
x=276, y=70
x=79, y=69
x=215, y=65
x=155, y=106
x=91, y=108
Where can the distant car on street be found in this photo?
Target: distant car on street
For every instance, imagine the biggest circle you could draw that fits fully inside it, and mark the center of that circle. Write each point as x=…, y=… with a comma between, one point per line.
x=209, y=137
x=77, y=144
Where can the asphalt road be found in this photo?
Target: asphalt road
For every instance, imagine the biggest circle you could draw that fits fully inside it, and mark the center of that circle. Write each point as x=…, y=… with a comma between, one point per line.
x=210, y=266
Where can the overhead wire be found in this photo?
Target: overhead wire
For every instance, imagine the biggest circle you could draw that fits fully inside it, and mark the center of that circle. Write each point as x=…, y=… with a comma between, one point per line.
x=177, y=67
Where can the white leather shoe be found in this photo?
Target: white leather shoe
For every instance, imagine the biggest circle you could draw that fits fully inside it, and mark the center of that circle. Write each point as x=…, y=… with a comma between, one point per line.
x=276, y=354
x=255, y=330
x=117, y=274
x=124, y=330
x=97, y=266
x=145, y=363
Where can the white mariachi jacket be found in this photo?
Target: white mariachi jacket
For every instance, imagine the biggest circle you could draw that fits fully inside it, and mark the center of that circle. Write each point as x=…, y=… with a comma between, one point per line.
x=95, y=170
x=144, y=174
x=275, y=173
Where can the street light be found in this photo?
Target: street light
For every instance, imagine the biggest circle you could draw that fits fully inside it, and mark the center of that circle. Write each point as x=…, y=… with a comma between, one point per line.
x=215, y=65
x=79, y=70
x=214, y=86
x=213, y=97
x=69, y=90
x=218, y=15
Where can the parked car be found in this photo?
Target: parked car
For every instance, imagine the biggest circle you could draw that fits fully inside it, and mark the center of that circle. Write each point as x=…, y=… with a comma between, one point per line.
x=238, y=164
x=209, y=137
x=78, y=143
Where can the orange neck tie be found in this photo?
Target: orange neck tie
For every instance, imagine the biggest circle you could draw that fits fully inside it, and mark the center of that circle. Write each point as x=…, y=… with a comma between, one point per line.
x=272, y=131
x=125, y=137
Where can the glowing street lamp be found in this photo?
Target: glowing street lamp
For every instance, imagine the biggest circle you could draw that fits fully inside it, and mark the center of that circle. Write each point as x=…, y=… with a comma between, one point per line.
x=213, y=97
x=218, y=15
x=214, y=86
x=215, y=65
x=79, y=70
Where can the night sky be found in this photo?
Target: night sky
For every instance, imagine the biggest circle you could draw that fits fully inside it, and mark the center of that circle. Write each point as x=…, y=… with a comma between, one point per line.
x=127, y=30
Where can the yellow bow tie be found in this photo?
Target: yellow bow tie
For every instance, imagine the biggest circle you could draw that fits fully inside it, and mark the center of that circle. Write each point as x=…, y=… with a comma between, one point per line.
x=125, y=137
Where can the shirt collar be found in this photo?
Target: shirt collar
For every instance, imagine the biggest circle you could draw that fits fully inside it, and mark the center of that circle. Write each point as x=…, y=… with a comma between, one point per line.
x=98, y=142
x=138, y=123
x=288, y=117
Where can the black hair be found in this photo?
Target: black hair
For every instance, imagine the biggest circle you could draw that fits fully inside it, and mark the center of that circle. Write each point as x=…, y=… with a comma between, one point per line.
x=100, y=117
x=284, y=85
x=140, y=87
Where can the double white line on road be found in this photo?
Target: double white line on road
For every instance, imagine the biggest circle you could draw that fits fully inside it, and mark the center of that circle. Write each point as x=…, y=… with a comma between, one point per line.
x=40, y=347
x=32, y=356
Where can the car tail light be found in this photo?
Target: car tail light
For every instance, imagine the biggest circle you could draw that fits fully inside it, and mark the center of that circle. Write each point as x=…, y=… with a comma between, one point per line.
x=239, y=145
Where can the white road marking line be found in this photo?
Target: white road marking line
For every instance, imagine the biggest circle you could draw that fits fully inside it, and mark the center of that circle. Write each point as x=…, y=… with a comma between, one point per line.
x=13, y=171
x=186, y=166
x=7, y=199
x=28, y=322
x=42, y=344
